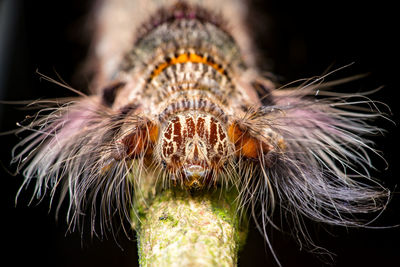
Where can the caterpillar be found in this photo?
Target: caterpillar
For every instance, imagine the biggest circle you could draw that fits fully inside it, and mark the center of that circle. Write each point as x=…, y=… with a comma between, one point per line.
x=183, y=95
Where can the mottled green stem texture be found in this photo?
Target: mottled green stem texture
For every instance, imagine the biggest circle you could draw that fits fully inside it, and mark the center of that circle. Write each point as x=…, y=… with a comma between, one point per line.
x=182, y=228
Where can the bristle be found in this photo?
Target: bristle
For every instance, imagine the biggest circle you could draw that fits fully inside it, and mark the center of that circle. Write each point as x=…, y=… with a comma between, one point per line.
x=178, y=96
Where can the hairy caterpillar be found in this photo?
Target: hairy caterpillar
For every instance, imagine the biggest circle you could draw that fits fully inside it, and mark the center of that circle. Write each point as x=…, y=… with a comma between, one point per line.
x=241, y=145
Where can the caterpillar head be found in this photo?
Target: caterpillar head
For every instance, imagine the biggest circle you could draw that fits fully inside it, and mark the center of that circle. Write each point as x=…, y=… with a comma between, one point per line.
x=194, y=147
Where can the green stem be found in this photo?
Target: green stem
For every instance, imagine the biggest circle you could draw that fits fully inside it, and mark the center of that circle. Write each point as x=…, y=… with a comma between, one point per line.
x=176, y=227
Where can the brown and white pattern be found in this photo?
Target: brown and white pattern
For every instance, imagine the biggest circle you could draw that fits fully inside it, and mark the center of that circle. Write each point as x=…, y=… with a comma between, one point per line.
x=182, y=75
x=176, y=90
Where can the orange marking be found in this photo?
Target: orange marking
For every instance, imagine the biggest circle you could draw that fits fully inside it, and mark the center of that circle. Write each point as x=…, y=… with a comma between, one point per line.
x=250, y=147
x=141, y=140
x=247, y=145
x=153, y=133
x=183, y=58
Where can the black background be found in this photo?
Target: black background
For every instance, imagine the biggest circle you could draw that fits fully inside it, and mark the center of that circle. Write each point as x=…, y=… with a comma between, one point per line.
x=299, y=39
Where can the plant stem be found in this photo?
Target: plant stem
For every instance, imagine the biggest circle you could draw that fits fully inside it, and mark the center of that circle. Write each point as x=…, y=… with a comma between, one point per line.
x=177, y=227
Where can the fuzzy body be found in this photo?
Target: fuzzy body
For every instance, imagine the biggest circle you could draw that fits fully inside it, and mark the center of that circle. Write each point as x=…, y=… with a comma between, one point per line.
x=183, y=73
x=176, y=91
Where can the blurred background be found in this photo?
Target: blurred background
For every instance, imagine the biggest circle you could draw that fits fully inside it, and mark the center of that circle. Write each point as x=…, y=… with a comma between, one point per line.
x=295, y=40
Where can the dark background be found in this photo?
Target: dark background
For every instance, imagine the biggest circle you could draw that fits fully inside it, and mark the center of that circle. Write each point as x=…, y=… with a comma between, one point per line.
x=299, y=39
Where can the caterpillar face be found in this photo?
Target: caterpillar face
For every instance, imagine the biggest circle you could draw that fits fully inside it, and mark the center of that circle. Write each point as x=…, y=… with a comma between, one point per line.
x=185, y=94
x=194, y=146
